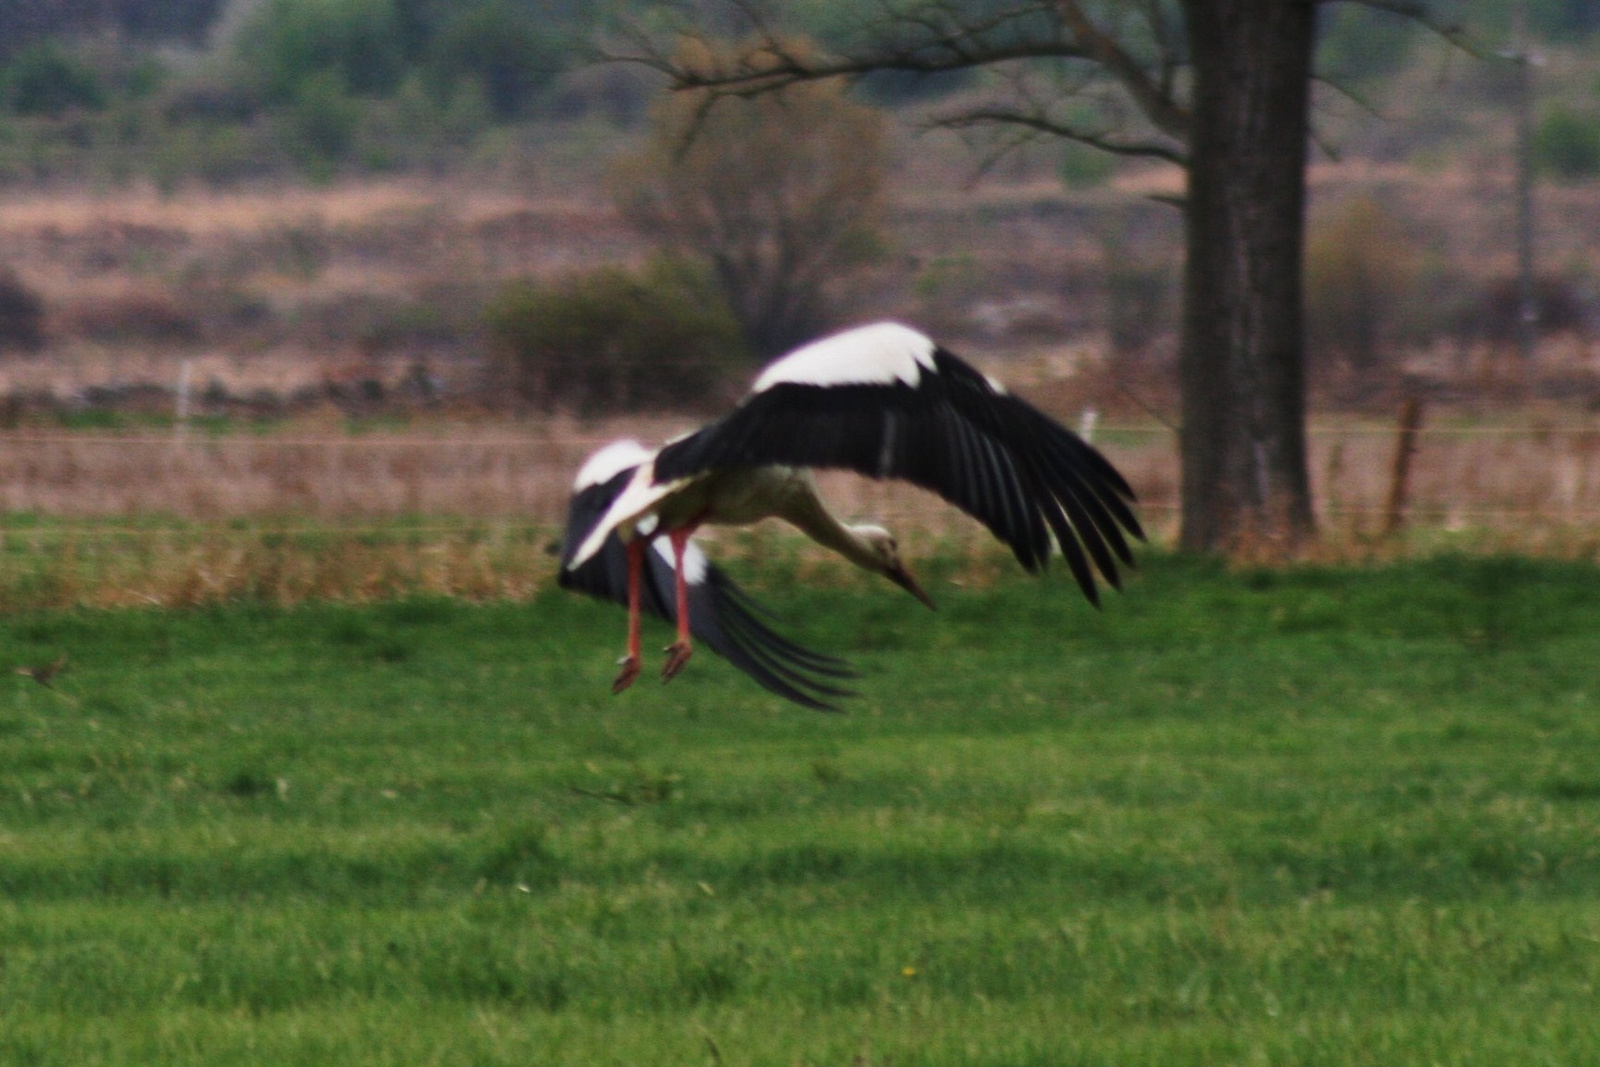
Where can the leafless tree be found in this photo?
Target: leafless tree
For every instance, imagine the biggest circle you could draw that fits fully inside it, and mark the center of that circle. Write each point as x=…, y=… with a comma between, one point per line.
x=1220, y=88
x=781, y=193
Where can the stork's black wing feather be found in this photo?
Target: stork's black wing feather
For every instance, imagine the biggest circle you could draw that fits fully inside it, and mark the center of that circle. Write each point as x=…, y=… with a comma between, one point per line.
x=722, y=616
x=991, y=454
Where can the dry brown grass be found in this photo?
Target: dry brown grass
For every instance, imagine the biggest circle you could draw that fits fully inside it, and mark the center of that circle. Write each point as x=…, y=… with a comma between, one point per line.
x=285, y=562
x=203, y=212
x=474, y=510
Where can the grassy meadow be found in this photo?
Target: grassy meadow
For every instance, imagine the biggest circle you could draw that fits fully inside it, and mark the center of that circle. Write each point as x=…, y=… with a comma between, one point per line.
x=1306, y=816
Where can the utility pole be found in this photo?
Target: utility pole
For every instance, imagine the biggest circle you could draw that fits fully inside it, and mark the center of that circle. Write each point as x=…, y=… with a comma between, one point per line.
x=1527, y=296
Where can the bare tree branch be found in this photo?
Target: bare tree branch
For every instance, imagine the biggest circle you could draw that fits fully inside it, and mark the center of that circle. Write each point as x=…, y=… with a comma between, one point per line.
x=1350, y=93
x=1422, y=13
x=938, y=38
x=934, y=46
x=1042, y=124
x=1152, y=96
x=781, y=68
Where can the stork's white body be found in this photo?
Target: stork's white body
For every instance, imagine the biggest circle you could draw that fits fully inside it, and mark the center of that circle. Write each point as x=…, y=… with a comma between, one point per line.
x=736, y=496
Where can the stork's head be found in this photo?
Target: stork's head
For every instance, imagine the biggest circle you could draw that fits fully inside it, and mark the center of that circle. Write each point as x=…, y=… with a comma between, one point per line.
x=886, y=553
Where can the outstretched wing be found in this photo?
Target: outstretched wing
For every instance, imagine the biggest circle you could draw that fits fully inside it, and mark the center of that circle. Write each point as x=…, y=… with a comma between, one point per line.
x=887, y=402
x=722, y=616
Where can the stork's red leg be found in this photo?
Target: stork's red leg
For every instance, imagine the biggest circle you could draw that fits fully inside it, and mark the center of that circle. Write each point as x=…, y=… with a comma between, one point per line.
x=630, y=662
x=679, y=651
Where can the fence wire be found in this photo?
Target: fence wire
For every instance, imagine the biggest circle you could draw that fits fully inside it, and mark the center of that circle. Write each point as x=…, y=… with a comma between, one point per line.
x=1531, y=478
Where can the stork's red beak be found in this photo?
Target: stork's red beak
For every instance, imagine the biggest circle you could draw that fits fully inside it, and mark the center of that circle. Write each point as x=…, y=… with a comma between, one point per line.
x=902, y=577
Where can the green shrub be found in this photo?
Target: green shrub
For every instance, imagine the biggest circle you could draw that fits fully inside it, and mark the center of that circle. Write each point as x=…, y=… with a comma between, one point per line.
x=1566, y=144
x=505, y=49
x=946, y=288
x=289, y=42
x=323, y=121
x=1359, y=270
x=45, y=79
x=218, y=155
x=615, y=340
x=1082, y=167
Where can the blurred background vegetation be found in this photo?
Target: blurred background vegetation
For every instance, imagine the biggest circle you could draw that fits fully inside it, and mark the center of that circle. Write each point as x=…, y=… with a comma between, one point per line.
x=546, y=189
x=230, y=89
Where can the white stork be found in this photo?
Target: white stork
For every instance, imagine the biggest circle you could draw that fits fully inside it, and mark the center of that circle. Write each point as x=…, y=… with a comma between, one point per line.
x=881, y=400
x=717, y=611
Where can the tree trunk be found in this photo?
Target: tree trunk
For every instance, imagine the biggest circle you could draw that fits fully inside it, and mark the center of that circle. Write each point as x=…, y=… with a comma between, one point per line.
x=1241, y=354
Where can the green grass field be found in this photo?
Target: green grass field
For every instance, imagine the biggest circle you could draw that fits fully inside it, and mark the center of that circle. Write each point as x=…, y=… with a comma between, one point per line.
x=1318, y=816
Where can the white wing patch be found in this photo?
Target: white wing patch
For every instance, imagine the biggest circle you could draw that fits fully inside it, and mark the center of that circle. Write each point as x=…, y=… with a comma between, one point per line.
x=609, y=462
x=880, y=354
x=627, y=512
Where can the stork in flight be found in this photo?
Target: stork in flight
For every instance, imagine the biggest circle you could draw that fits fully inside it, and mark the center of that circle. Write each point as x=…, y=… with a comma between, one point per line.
x=719, y=613
x=882, y=400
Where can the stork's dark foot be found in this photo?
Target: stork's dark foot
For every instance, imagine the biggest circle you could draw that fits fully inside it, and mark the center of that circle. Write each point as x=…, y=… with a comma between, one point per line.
x=678, y=654
x=630, y=671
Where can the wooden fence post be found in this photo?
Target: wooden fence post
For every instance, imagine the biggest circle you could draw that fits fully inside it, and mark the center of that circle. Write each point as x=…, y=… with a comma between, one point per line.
x=1405, y=447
